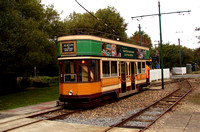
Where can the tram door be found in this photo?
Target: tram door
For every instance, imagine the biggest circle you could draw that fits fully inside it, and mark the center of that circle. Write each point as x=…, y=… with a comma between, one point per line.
x=123, y=77
x=133, y=72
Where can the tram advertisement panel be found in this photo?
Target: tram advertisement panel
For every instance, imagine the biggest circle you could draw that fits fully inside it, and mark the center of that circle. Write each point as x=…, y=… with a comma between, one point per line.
x=111, y=50
x=122, y=51
x=141, y=54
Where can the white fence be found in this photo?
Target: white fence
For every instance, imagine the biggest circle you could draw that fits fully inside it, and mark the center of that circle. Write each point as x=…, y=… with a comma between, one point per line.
x=179, y=70
x=155, y=74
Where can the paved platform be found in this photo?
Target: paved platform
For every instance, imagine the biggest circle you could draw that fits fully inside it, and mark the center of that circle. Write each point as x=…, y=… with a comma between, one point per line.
x=28, y=109
x=181, y=122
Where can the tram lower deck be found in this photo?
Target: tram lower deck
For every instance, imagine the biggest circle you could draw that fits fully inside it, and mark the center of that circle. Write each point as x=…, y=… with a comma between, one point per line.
x=91, y=78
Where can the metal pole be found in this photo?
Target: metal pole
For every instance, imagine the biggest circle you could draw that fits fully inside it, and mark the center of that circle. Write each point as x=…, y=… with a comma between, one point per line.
x=161, y=50
x=179, y=52
x=140, y=35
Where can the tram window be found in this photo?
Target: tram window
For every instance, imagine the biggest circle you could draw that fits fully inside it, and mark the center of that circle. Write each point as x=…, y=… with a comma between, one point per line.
x=113, y=68
x=143, y=67
x=106, y=69
x=70, y=71
x=132, y=68
x=119, y=68
x=61, y=71
x=139, y=67
x=129, y=66
x=122, y=67
x=94, y=70
x=70, y=67
x=83, y=73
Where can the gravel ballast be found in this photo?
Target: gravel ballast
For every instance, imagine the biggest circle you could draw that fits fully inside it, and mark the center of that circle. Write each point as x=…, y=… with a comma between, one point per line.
x=113, y=113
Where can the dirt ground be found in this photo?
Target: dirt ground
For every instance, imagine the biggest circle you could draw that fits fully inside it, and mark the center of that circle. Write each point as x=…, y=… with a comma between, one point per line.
x=190, y=104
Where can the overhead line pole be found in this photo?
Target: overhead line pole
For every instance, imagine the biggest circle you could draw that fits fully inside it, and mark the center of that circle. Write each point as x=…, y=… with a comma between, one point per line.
x=161, y=50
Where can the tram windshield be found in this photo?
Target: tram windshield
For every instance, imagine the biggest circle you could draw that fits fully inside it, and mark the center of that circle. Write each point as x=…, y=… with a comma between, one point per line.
x=70, y=71
x=79, y=71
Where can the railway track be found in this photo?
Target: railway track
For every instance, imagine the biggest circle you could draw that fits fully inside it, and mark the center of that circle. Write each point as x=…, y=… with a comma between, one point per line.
x=48, y=115
x=147, y=116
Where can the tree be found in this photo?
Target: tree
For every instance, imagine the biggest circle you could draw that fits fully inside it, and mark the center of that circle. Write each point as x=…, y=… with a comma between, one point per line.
x=27, y=36
x=146, y=40
x=77, y=23
x=171, y=55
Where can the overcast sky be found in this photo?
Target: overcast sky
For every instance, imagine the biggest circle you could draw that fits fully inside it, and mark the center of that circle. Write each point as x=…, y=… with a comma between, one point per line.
x=174, y=26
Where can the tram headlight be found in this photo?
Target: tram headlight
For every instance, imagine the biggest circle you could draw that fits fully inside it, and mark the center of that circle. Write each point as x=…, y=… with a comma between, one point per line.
x=70, y=92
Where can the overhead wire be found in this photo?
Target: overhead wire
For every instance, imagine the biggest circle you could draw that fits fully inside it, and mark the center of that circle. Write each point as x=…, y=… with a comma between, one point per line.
x=116, y=33
x=97, y=18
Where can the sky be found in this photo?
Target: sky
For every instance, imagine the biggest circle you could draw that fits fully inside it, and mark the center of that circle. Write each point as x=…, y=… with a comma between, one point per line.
x=174, y=26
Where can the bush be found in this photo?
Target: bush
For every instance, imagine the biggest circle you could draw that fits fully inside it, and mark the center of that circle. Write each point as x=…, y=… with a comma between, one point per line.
x=43, y=81
x=23, y=82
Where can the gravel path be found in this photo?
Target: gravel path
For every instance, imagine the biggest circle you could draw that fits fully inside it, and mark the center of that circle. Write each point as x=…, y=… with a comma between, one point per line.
x=113, y=113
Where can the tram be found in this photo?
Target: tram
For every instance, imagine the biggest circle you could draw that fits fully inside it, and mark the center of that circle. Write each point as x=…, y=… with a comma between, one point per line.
x=93, y=69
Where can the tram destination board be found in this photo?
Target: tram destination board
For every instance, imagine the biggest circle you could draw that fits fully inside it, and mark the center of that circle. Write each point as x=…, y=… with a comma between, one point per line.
x=67, y=47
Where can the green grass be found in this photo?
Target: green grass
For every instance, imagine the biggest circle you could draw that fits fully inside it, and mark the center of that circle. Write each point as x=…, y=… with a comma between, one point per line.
x=29, y=96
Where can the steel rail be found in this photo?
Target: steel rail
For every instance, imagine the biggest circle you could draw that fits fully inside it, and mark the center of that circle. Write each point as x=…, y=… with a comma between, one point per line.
x=32, y=115
x=143, y=110
x=191, y=87
x=39, y=120
x=139, y=112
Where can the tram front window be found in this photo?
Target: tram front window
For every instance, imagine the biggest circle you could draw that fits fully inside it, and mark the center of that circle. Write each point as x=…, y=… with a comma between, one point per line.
x=83, y=73
x=93, y=70
x=70, y=71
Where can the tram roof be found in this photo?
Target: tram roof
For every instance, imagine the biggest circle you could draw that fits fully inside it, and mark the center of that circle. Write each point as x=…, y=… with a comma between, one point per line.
x=101, y=39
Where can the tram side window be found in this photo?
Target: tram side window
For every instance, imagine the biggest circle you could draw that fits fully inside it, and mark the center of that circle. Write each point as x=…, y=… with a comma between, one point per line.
x=143, y=67
x=70, y=71
x=139, y=67
x=113, y=68
x=94, y=70
x=106, y=69
x=129, y=65
x=61, y=71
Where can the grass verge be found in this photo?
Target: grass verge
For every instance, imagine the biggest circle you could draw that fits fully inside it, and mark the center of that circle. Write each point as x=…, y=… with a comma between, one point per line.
x=29, y=96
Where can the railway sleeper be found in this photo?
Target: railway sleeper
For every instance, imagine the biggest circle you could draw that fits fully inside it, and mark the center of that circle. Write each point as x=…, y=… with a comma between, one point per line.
x=143, y=120
x=154, y=115
x=167, y=102
x=170, y=100
x=136, y=127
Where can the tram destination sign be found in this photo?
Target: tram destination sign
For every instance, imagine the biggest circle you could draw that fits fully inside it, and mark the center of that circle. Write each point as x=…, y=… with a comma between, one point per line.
x=67, y=47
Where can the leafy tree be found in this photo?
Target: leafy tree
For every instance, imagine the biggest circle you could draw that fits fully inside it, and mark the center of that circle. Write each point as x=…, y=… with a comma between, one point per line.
x=77, y=23
x=27, y=36
x=146, y=40
x=171, y=55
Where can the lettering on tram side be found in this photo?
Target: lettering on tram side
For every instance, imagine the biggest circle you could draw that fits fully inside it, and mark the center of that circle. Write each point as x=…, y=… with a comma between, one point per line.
x=128, y=52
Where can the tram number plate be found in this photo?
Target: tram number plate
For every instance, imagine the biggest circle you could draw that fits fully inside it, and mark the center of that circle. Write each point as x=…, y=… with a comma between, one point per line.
x=67, y=47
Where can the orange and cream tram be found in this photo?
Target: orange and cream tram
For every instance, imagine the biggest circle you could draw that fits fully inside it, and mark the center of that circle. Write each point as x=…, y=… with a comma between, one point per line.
x=93, y=69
